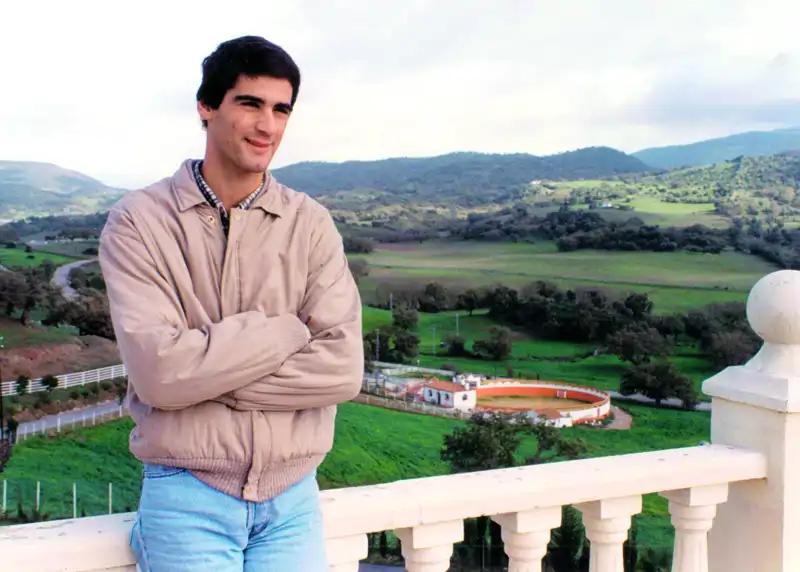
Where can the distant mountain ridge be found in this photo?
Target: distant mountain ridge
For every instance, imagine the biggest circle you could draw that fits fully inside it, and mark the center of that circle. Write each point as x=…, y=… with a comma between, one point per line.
x=467, y=178
x=721, y=149
x=30, y=188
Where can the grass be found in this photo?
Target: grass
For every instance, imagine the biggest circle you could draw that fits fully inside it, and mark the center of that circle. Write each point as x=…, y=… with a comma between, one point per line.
x=74, y=249
x=15, y=335
x=372, y=445
x=645, y=200
x=547, y=359
x=18, y=257
x=676, y=281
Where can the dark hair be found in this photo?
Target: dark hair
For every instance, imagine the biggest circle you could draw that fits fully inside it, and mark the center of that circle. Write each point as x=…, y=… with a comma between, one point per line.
x=251, y=56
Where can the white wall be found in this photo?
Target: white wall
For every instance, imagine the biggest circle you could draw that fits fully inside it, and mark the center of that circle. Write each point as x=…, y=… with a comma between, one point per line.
x=568, y=416
x=465, y=400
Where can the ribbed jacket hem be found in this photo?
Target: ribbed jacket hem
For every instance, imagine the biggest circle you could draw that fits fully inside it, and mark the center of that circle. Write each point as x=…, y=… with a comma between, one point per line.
x=230, y=477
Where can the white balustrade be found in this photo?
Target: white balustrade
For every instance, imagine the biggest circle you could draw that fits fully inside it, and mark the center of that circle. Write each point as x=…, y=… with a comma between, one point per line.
x=607, y=522
x=427, y=514
x=526, y=535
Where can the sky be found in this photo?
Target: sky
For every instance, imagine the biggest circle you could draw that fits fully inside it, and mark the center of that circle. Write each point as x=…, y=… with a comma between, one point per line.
x=108, y=89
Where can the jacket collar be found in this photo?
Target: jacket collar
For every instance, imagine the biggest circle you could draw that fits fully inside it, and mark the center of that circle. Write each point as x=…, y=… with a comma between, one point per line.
x=188, y=195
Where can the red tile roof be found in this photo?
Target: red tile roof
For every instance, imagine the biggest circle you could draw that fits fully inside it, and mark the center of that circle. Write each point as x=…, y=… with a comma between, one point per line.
x=447, y=386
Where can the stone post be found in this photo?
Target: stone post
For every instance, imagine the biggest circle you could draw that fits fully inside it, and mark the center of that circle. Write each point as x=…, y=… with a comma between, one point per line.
x=756, y=406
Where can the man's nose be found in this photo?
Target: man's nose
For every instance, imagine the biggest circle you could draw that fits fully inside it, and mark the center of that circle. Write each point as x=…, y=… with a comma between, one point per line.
x=266, y=123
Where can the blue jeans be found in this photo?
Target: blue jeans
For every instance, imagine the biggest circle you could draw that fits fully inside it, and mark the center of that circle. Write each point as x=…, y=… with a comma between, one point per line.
x=185, y=525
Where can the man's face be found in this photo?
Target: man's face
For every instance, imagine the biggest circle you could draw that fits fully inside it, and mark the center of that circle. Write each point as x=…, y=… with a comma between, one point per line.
x=248, y=126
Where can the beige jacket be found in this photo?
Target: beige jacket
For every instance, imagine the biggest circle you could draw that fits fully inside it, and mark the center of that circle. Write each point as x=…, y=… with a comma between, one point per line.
x=224, y=379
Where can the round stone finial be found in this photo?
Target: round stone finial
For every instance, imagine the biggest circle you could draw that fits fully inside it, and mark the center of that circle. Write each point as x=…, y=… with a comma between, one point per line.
x=773, y=307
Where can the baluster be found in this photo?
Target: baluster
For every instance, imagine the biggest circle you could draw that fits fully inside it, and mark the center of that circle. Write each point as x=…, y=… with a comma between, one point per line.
x=429, y=547
x=526, y=535
x=693, y=512
x=607, y=522
x=344, y=552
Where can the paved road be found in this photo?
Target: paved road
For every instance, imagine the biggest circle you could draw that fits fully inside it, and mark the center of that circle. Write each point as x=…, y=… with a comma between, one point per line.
x=61, y=277
x=676, y=403
x=68, y=418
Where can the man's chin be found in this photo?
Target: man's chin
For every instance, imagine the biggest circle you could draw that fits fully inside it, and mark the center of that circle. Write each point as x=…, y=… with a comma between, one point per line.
x=256, y=165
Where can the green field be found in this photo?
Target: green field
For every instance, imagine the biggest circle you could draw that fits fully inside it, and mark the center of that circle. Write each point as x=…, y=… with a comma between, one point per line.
x=18, y=257
x=15, y=335
x=675, y=281
x=550, y=360
x=74, y=249
x=372, y=445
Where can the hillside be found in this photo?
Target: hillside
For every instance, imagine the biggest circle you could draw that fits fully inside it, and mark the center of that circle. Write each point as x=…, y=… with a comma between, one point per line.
x=751, y=143
x=743, y=187
x=466, y=179
x=34, y=189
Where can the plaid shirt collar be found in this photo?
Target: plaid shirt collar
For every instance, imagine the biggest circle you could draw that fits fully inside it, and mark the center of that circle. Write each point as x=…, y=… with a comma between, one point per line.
x=215, y=201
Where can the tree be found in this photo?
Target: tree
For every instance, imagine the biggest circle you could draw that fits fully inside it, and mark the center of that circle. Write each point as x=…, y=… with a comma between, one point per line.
x=50, y=382
x=659, y=381
x=491, y=441
x=736, y=347
x=497, y=347
x=568, y=543
x=89, y=313
x=638, y=343
x=630, y=551
x=434, y=298
x=390, y=344
x=468, y=300
x=23, y=290
x=651, y=560
x=551, y=444
x=487, y=442
x=406, y=344
x=456, y=345
x=405, y=317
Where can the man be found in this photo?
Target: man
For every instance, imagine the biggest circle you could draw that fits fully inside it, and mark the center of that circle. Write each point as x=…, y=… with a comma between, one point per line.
x=240, y=326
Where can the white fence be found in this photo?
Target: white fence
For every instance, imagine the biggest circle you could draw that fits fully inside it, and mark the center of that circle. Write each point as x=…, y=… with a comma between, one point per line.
x=65, y=380
x=399, y=369
x=66, y=420
x=56, y=507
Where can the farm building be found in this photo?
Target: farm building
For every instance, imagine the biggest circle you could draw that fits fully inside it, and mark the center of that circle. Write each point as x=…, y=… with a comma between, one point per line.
x=450, y=395
x=469, y=378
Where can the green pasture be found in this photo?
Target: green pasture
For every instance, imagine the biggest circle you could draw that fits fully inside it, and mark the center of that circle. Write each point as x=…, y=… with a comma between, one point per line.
x=11, y=257
x=676, y=281
x=372, y=445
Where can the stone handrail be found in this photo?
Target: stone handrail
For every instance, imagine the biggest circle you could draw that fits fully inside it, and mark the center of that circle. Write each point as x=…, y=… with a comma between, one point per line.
x=427, y=514
x=733, y=503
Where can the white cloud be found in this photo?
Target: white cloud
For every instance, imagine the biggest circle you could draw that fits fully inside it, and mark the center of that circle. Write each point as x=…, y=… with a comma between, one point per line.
x=108, y=89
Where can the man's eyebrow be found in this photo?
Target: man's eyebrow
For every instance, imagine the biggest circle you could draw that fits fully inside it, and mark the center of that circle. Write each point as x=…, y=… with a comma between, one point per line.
x=249, y=98
x=253, y=99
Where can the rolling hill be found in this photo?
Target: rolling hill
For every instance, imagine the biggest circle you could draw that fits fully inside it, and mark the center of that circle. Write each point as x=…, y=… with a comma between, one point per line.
x=466, y=179
x=751, y=143
x=30, y=188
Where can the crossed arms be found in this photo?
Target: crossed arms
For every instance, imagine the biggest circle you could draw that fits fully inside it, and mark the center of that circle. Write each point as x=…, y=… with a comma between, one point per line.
x=248, y=361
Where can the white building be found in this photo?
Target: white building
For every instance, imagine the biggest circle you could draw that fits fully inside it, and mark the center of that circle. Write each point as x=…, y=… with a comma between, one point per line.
x=450, y=395
x=469, y=379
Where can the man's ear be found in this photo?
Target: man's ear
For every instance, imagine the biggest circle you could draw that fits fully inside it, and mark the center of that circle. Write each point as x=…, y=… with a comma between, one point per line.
x=204, y=111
